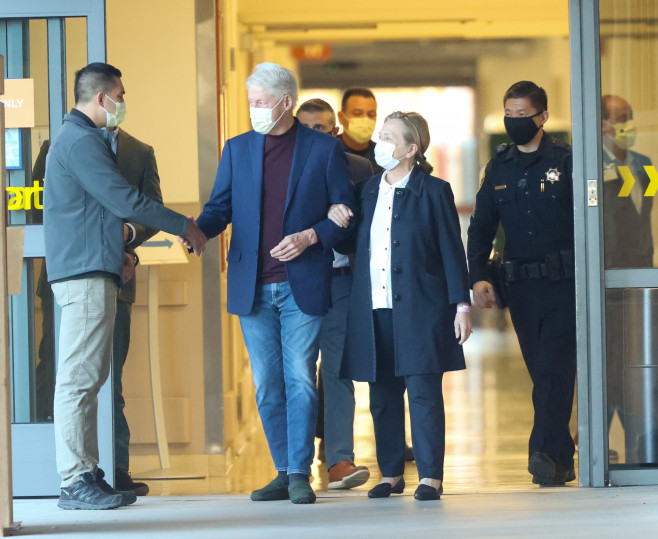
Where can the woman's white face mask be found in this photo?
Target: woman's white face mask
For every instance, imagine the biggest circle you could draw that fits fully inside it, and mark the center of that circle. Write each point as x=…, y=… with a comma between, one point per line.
x=261, y=119
x=384, y=154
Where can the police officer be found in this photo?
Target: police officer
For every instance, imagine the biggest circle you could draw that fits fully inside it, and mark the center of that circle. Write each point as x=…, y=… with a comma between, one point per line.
x=527, y=187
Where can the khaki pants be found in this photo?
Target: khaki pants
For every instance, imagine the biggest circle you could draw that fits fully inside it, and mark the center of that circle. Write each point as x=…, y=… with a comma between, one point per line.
x=85, y=354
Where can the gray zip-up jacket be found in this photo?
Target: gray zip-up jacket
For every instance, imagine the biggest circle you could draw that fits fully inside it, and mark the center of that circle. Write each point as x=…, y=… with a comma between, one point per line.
x=87, y=201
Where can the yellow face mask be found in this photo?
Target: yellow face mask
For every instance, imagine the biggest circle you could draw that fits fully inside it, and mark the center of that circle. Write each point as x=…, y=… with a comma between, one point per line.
x=625, y=134
x=360, y=129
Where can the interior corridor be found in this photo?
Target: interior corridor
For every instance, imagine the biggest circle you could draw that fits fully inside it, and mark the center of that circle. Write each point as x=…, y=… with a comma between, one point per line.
x=488, y=421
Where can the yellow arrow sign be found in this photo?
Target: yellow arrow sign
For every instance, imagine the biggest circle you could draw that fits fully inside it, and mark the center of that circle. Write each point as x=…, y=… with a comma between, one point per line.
x=653, y=183
x=629, y=181
x=627, y=176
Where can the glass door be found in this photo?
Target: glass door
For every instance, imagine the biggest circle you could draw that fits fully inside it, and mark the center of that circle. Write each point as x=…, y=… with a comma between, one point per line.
x=43, y=46
x=615, y=126
x=629, y=136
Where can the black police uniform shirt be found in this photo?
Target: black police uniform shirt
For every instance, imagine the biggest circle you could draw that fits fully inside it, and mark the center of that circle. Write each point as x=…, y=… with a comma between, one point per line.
x=531, y=195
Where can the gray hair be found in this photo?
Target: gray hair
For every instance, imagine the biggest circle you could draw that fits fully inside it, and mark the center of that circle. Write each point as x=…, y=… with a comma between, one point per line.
x=318, y=105
x=277, y=80
x=416, y=131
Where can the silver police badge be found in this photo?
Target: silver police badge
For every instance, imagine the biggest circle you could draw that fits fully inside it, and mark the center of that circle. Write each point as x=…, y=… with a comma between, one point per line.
x=553, y=175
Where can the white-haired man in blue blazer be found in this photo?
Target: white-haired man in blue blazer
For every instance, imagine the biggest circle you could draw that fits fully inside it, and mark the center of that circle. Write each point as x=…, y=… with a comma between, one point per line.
x=276, y=184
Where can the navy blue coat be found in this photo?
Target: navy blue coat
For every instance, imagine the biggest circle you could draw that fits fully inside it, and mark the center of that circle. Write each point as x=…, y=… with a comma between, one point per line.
x=428, y=277
x=319, y=177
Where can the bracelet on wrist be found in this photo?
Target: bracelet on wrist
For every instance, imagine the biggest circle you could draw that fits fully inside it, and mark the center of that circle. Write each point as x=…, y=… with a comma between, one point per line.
x=463, y=308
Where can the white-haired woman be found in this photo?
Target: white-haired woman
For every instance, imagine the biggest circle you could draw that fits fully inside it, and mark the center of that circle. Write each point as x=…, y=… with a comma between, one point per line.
x=409, y=309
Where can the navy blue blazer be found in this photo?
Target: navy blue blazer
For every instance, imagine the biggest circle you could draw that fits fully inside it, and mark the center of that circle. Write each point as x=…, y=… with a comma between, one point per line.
x=429, y=277
x=319, y=177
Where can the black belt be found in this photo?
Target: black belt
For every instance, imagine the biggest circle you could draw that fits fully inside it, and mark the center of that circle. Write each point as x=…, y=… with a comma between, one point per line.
x=339, y=272
x=556, y=266
x=521, y=272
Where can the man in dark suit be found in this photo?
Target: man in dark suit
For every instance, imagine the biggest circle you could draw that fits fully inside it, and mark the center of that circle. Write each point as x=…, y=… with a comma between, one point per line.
x=627, y=220
x=136, y=162
x=276, y=184
x=626, y=228
x=336, y=410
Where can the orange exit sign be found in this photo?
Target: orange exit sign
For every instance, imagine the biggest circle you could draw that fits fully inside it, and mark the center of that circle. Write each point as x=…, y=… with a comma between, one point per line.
x=315, y=52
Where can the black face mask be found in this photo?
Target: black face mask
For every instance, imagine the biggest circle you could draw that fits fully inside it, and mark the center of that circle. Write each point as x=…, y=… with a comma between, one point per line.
x=521, y=130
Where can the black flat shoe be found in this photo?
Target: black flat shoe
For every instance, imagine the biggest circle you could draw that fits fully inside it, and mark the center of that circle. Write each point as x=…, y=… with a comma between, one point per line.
x=384, y=490
x=425, y=492
x=542, y=467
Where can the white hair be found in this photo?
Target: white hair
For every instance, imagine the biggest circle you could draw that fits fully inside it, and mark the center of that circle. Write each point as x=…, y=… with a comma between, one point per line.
x=277, y=80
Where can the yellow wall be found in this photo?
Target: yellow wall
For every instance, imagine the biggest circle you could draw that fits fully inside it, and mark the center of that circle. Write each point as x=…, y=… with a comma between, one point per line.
x=154, y=47
x=347, y=20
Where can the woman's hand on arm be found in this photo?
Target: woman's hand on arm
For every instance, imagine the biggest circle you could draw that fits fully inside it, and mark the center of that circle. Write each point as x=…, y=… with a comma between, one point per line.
x=340, y=214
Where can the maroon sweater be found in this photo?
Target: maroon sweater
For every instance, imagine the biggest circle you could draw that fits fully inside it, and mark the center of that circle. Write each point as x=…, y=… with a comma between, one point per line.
x=277, y=162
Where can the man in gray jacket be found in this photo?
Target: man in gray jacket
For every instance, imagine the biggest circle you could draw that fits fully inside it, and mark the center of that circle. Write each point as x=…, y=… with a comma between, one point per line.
x=86, y=202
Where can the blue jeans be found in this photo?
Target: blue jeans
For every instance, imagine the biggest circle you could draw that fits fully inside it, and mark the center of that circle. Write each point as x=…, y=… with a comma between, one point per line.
x=282, y=343
x=338, y=393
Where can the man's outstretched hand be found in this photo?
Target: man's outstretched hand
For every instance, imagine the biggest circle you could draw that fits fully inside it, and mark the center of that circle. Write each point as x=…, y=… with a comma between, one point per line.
x=194, y=238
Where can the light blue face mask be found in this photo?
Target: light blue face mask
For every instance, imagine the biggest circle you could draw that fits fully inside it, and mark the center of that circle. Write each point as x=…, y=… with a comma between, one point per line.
x=113, y=119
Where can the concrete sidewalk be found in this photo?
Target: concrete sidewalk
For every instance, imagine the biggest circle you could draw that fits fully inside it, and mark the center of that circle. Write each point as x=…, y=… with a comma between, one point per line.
x=562, y=512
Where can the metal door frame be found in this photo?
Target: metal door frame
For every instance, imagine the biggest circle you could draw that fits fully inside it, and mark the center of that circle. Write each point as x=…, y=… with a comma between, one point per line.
x=592, y=278
x=33, y=443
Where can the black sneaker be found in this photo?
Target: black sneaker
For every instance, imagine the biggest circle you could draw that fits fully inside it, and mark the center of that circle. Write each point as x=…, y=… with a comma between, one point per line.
x=87, y=494
x=300, y=492
x=277, y=489
x=128, y=496
x=123, y=481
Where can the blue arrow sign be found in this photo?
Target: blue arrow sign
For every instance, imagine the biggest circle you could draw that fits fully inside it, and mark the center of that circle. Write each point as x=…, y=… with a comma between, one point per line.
x=166, y=243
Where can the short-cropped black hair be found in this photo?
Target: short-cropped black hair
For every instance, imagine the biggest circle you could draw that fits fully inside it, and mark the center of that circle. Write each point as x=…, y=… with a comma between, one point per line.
x=94, y=78
x=363, y=92
x=525, y=88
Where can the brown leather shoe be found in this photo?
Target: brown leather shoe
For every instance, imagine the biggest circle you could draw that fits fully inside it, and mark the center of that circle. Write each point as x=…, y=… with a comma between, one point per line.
x=345, y=474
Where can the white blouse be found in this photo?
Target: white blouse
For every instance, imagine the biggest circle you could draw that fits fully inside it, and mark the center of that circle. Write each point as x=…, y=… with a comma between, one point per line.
x=380, y=243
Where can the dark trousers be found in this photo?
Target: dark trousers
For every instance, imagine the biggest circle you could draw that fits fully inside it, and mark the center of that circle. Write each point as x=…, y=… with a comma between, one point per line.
x=544, y=317
x=121, y=342
x=387, y=409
